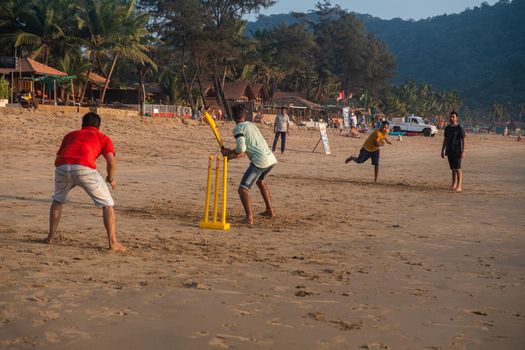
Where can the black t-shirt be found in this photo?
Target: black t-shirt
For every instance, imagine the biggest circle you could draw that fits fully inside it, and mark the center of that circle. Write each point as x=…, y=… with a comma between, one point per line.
x=454, y=140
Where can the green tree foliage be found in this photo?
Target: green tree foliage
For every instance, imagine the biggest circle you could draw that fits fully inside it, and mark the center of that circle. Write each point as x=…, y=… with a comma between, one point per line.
x=71, y=33
x=479, y=53
x=421, y=100
x=208, y=34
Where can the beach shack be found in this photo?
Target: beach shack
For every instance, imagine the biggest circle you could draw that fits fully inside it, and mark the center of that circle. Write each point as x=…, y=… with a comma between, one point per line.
x=25, y=77
x=239, y=91
x=298, y=107
x=262, y=97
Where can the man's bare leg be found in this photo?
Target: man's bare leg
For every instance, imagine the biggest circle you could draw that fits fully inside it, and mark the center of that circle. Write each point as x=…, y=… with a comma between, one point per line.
x=376, y=172
x=111, y=228
x=459, y=174
x=454, y=180
x=265, y=192
x=244, y=194
x=55, y=212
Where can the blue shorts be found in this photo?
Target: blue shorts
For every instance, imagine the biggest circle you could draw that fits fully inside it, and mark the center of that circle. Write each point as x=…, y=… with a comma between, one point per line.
x=364, y=155
x=254, y=174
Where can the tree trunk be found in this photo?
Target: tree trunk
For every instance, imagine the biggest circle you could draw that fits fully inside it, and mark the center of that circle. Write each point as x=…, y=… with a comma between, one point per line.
x=184, y=76
x=199, y=83
x=224, y=76
x=307, y=83
x=142, y=99
x=86, y=85
x=106, y=84
x=319, y=88
x=221, y=98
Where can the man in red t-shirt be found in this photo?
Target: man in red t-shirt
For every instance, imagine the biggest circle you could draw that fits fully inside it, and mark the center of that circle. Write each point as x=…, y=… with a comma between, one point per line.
x=76, y=166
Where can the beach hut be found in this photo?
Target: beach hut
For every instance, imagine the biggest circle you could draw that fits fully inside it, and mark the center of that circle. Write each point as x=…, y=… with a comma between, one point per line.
x=239, y=91
x=262, y=97
x=299, y=107
x=23, y=76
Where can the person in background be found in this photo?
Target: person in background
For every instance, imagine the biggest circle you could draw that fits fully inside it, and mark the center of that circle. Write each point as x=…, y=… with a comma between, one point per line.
x=281, y=128
x=454, y=147
x=353, y=120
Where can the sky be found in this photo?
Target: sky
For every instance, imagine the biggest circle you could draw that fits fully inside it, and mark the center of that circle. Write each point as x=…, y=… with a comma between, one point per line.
x=385, y=9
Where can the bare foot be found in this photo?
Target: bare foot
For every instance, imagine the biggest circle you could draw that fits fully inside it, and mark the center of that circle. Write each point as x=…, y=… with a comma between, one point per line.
x=457, y=190
x=117, y=247
x=348, y=160
x=247, y=221
x=268, y=213
x=48, y=240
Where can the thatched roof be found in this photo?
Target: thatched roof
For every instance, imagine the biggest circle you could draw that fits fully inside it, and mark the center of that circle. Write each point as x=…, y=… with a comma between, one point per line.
x=96, y=79
x=235, y=89
x=294, y=101
x=260, y=91
x=279, y=94
x=27, y=65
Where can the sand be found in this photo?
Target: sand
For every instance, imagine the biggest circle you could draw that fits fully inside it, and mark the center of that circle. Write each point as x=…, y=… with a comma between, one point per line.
x=347, y=264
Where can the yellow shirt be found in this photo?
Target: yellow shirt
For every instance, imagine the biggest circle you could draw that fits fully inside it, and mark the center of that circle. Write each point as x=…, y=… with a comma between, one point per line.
x=376, y=136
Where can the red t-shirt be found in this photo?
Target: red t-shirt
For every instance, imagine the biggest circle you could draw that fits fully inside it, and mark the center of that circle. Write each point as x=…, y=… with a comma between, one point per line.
x=83, y=147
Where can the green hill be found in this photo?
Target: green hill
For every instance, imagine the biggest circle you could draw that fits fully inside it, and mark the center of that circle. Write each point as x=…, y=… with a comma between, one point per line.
x=479, y=52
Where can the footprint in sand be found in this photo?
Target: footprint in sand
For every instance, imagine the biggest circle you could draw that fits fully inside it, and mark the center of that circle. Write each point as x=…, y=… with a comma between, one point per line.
x=52, y=337
x=221, y=340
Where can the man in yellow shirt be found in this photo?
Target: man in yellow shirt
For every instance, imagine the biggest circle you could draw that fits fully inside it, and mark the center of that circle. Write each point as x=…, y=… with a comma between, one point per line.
x=371, y=146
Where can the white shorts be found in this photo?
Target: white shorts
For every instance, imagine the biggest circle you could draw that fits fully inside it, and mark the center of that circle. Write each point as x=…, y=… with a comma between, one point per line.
x=68, y=176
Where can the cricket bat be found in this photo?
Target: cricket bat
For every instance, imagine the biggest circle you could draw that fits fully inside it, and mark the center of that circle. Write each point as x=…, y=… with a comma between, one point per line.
x=214, y=128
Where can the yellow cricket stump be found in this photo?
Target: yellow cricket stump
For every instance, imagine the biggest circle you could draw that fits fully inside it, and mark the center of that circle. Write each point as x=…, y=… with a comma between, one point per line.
x=222, y=225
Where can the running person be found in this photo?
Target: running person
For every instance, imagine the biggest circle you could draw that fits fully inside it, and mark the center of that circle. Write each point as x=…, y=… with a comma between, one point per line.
x=454, y=146
x=250, y=142
x=371, y=147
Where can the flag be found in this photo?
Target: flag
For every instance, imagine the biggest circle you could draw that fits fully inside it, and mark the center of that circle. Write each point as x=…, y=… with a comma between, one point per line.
x=340, y=97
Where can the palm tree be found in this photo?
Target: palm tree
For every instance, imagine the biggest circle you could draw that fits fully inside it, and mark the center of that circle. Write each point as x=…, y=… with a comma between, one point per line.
x=112, y=29
x=42, y=24
x=74, y=66
x=497, y=111
x=130, y=41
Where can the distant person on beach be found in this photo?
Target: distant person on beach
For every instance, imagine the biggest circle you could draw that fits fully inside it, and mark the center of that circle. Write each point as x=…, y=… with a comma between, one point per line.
x=371, y=147
x=281, y=128
x=362, y=122
x=258, y=117
x=353, y=133
x=454, y=147
x=353, y=120
x=76, y=166
x=197, y=115
x=250, y=142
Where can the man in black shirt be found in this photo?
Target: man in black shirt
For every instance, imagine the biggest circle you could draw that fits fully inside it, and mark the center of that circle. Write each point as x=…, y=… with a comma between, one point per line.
x=454, y=146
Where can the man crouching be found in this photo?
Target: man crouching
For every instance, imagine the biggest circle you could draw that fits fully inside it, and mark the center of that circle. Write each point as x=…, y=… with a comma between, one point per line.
x=250, y=141
x=76, y=166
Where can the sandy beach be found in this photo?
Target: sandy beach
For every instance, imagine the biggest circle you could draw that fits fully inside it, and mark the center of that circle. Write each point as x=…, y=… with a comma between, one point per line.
x=346, y=264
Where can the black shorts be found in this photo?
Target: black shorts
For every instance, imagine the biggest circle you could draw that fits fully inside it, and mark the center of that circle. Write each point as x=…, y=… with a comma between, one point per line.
x=454, y=161
x=364, y=155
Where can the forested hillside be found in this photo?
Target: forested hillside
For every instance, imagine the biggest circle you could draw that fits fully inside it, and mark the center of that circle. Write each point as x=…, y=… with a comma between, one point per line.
x=479, y=52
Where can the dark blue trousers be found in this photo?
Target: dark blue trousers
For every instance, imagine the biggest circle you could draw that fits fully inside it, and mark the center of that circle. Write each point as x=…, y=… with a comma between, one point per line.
x=283, y=140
